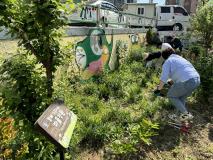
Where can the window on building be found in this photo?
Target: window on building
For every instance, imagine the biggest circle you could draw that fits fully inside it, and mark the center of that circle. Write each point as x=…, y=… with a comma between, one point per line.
x=165, y=10
x=141, y=11
x=180, y=10
x=129, y=1
x=178, y=2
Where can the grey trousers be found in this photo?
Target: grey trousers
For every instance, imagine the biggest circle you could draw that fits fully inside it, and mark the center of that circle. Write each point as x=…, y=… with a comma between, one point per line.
x=178, y=93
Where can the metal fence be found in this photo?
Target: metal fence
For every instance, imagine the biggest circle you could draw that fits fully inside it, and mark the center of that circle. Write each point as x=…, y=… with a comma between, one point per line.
x=96, y=16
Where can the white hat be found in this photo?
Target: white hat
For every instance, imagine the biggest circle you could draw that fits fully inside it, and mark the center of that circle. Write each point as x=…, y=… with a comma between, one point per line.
x=165, y=46
x=145, y=55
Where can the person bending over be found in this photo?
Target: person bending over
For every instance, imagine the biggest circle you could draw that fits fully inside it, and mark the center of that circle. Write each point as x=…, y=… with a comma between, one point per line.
x=185, y=80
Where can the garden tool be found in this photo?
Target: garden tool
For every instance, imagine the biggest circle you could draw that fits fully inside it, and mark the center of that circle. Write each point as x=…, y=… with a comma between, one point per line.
x=182, y=126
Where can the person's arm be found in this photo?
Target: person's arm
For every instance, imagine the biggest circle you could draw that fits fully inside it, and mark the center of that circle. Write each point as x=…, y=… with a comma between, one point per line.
x=164, y=75
x=153, y=55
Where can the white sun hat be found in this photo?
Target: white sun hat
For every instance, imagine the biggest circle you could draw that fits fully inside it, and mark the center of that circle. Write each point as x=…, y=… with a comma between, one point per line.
x=145, y=55
x=165, y=46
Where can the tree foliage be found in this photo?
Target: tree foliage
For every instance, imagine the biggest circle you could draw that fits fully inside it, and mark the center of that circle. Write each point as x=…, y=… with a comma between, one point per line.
x=36, y=24
x=202, y=24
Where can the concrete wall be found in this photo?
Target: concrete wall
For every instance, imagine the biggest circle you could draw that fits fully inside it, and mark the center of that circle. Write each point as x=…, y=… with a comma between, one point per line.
x=82, y=31
x=95, y=48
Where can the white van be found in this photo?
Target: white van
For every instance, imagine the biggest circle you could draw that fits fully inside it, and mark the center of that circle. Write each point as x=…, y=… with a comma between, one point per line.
x=172, y=16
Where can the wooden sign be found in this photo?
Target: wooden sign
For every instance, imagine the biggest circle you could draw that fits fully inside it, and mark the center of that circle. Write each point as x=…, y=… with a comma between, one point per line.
x=57, y=123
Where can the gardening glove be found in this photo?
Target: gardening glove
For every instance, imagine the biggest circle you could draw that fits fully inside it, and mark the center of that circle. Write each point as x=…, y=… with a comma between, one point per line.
x=159, y=93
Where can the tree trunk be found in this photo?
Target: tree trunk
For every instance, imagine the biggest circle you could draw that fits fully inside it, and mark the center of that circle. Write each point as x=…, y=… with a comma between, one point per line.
x=49, y=81
x=49, y=74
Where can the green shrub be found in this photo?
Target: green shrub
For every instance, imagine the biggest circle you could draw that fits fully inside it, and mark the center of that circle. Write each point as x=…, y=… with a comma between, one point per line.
x=113, y=84
x=149, y=36
x=23, y=86
x=9, y=148
x=104, y=92
x=138, y=132
x=137, y=68
x=194, y=52
x=135, y=53
x=23, y=97
x=205, y=68
x=90, y=89
x=195, y=49
x=132, y=93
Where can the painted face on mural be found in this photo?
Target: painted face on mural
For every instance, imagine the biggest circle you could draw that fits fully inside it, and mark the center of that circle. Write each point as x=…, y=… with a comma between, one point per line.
x=81, y=57
x=96, y=42
x=93, y=53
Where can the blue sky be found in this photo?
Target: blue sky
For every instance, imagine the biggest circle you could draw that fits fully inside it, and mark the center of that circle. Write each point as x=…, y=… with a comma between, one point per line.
x=160, y=2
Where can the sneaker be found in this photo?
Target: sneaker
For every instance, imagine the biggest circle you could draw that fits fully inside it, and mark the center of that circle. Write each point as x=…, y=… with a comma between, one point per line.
x=186, y=116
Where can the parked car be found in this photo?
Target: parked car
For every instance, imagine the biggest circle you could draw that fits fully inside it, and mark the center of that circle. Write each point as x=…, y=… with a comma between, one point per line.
x=172, y=16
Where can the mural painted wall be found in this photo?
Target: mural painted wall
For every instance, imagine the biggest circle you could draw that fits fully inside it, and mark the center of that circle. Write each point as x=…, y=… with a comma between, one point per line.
x=97, y=51
x=93, y=53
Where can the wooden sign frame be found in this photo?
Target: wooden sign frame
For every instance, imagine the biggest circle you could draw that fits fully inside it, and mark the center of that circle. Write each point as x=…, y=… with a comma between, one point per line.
x=57, y=123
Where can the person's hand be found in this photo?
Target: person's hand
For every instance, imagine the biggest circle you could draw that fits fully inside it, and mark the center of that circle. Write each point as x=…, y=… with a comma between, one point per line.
x=157, y=92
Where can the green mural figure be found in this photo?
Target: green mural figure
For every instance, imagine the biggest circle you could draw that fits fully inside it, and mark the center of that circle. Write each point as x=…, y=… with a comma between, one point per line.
x=93, y=53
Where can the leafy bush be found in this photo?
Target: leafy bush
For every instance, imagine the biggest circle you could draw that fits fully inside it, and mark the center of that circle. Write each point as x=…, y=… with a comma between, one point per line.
x=135, y=53
x=194, y=52
x=136, y=133
x=23, y=86
x=113, y=84
x=19, y=140
x=197, y=50
x=152, y=38
x=206, y=74
x=9, y=148
x=149, y=36
x=132, y=93
x=202, y=24
x=23, y=98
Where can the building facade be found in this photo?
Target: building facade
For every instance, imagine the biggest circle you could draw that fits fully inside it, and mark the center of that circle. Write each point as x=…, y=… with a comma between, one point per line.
x=189, y=5
x=173, y=2
x=141, y=9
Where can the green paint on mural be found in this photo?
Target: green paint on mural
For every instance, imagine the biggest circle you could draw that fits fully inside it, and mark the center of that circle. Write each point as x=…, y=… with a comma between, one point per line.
x=93, y=53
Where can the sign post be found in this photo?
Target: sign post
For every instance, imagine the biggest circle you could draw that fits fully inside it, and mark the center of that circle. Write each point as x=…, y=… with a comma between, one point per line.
x=57, y=123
